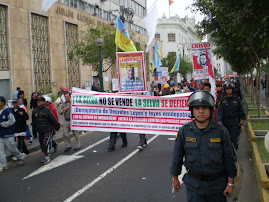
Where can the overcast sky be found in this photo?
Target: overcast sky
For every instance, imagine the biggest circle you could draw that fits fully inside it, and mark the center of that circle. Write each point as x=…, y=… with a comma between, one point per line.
x=177, y=8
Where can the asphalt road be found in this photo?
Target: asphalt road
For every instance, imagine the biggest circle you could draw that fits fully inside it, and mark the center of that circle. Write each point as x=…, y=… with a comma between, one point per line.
x=125, y=174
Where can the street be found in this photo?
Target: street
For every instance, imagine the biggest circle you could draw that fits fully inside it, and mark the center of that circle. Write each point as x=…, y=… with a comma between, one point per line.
x=94, y=174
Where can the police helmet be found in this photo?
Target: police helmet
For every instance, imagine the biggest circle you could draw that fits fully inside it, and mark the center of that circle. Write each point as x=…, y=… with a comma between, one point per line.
x=228, y=85
x=201, y=98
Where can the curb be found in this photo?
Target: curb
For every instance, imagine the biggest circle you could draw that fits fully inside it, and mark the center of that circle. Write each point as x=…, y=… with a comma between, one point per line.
x=262, y=178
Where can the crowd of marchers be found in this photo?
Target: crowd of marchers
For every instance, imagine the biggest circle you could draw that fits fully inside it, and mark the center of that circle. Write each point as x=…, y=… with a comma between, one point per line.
x=15, y=127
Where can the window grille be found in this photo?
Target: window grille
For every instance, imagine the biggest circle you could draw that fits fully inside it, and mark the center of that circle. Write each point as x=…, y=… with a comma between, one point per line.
x=73, y=75
x=3, y=39
x=40, y=52
x=171, y=37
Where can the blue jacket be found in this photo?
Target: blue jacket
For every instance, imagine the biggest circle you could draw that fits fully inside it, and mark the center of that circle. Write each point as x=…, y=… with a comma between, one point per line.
x=7, y=123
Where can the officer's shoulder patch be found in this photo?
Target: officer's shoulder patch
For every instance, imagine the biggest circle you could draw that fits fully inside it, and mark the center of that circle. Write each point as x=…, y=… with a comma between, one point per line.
x=190, y=139
x=177, y=135
x=215, y=139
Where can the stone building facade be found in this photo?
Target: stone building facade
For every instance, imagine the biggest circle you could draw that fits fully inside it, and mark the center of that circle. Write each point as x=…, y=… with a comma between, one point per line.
x=34, y=47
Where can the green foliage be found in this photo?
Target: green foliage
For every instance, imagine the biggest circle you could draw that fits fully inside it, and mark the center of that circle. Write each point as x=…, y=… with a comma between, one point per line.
x=239, y=29
x=263, y=152
x=49, y=89
x=88, y=50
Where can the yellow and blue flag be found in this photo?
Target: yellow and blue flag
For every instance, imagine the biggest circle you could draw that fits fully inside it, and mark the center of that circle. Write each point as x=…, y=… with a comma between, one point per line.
x=176, y=65
x=122, y=39
x=156, y=58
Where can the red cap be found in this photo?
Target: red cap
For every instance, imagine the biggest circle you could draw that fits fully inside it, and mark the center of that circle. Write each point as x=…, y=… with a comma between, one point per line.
x=66, y=89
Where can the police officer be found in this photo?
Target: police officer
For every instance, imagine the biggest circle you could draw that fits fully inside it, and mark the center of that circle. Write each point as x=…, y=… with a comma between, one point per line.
x=208, y=154
x=231, y=113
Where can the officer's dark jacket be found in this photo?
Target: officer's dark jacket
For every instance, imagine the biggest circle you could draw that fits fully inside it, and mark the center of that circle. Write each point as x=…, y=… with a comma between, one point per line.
x=230, y=109
x=206, y=152
x=45, y=120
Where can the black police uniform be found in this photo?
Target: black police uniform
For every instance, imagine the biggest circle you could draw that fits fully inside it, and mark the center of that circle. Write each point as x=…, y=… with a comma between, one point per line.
x=230, y=112
x=208, y=158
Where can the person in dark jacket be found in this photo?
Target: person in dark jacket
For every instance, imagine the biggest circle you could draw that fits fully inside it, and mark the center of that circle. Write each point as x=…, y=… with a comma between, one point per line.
x=45, y=123
x=231, y=113
x=7, y=130
x=21, y=95
x=20, y=126
x=204, y=147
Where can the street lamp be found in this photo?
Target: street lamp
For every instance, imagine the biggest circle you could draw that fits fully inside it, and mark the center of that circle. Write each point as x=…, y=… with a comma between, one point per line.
x=182, y=45
x=99, y=43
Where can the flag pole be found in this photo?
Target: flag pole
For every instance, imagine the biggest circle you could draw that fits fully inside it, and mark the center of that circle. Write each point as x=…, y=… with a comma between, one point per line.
x=169, y=8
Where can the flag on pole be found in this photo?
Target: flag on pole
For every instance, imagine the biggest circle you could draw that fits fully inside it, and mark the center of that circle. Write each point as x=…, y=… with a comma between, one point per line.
x=46, y=4
x=211, y=73
x=176, y=65
x=122, y=39
x=156, y=58
x=151, y=22
x=171, y=2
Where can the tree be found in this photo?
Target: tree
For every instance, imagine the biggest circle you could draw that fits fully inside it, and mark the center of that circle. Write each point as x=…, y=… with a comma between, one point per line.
x=87, y=49
x=185, y=65
x=240, y=31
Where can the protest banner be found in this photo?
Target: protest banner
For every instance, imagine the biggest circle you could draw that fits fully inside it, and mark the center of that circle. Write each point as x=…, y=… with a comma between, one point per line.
x=162, y=74
x=96, y=111
x=131, y=71
x=200, y=63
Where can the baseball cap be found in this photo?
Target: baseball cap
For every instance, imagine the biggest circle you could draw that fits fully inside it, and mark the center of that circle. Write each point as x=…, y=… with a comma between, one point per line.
x=47, y=99
x=66, y=89
x=41, y=99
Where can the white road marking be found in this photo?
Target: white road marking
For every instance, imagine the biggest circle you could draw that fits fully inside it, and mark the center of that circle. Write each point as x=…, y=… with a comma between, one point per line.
x=171, y=138
x=63, y=159
x=91, y=184
x=59, y=161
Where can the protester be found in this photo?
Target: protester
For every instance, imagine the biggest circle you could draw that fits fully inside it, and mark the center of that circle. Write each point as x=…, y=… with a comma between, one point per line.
x=15, y=95
x=204, y=147
x=53, y=109
x=113, y=139
x=67, y=132
x=166, y=90
x=21, y=96
x=45, y=123
x=20, y=126
x=7, y=130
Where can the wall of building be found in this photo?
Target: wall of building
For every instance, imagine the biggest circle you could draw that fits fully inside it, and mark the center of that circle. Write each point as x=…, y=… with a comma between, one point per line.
x=20, y=53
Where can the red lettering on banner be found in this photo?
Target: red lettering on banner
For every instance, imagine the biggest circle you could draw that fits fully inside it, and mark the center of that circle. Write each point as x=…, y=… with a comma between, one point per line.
x=200, y=45
x=164, y=103
x=178, y=103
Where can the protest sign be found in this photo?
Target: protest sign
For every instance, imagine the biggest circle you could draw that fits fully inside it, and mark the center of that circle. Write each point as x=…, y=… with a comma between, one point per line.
x=96, y=111
x=131, y=71
x=200, y=63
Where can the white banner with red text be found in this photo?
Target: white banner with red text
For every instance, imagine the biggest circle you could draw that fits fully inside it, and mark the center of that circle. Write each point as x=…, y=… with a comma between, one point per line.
x=110, y=112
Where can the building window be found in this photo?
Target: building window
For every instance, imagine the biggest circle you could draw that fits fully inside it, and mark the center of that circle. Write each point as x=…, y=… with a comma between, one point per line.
x=171, y=37
x=73, y=74
x=3, y=39
x=40, y=52
x=157, y=36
